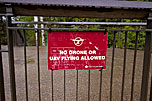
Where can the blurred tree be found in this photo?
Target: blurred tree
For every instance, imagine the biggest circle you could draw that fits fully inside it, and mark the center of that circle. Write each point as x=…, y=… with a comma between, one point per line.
x=3, y=31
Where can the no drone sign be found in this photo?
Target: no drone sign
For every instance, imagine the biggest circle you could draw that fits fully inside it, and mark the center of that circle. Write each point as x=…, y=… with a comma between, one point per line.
x=76, y=50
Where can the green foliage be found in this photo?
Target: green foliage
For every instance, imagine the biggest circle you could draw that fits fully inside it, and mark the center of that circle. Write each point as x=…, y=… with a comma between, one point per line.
x=3, y=35
x=30, y=34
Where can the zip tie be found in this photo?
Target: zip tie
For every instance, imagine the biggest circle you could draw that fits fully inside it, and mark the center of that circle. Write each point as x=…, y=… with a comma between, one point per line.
x=105, y=31
x=101, y=68
x=51, y=68
x=50, y=30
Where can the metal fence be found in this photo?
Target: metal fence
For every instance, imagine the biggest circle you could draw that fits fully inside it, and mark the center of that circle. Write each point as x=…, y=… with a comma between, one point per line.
x=145, y=72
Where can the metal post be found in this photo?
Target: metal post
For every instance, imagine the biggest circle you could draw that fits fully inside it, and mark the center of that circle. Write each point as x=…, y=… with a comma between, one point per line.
x=89, y=85
x=52, y=86
x=77, y=85
x=38, y=64
x=134, y=66
x=25, y=61
x=100, y=85
x=64, y=85
x=150, y=98
x=146, y=64
x=2, y=90
x=112, y=65
x=11, y=55
x=124, y=66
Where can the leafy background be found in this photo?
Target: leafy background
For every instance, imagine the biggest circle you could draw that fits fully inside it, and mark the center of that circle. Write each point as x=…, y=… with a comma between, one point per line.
x=120, y=36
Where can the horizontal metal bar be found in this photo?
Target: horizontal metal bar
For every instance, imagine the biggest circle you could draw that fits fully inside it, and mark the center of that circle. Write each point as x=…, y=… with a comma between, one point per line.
x=72, y=29
x=3, y=50
x=8, y=14
x=85, y=23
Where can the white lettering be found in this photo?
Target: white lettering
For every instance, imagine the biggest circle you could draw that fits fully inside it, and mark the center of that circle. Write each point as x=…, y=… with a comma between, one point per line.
x=70, y=58
x=77, y=52
x=54, y=58
x=91, y=58
x=92, y=52
x=63, y=52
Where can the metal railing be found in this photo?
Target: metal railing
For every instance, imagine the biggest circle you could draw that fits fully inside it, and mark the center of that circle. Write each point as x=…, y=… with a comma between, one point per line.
x=145, y=74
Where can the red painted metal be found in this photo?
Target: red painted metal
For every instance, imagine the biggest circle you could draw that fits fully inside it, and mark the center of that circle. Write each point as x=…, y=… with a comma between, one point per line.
x=76, y=50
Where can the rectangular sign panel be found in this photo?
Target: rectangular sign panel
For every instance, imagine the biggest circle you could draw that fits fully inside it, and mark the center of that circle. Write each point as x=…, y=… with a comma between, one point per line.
x=77, y=50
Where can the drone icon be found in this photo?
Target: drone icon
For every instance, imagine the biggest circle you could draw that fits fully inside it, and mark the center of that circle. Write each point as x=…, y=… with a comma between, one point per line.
x=78, y=41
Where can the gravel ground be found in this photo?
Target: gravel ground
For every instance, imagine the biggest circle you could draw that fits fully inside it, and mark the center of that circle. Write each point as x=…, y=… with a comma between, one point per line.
x=71, y=78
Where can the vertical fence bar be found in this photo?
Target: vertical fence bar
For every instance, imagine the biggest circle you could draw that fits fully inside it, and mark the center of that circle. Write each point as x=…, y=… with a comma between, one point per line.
x=64, y=85
x=25, y=61
x=112, y=65
x=52, y=85
x=134, y=65
x=38, y=63
x=77, y=84
x=11, y=58
x=89, y=85
x=124, y=66
x=2, y=89
x=100, y=85
x=146, y=62
x=150, y=98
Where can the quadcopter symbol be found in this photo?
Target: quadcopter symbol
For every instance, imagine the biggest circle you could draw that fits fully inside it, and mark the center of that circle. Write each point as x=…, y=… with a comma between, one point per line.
x=78, y=41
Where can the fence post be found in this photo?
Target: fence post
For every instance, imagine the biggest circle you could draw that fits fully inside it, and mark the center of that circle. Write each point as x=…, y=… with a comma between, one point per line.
x=150, y=98
x=10, y=53
x=146, y=62
x=2, y=90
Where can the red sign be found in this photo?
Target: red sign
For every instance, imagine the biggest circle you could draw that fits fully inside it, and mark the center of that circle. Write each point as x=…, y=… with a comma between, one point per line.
x=77, y=50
